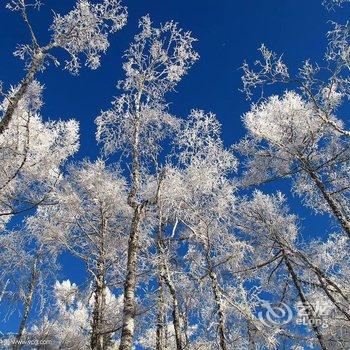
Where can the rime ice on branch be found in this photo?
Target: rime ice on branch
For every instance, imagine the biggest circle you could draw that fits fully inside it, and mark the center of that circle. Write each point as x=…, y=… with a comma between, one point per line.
x=82, y=33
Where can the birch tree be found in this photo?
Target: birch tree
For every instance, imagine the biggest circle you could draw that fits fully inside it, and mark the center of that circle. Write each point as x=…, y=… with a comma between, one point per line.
x=27, y=266
x=324, y=85
x=155, y=62
x=329, y=294
x=81, y=33
x=198, y=197
x=89, y=220
x=33, y=153
x=206, y=173
x=275, y=232
x=307, y=141
x=68, y=324
x=320, y=286
x=285, y=140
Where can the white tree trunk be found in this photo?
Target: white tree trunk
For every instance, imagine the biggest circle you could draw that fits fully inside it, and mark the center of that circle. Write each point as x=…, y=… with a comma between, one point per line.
x=14, y=100
x=161, y=317
x=219, y=309
x=99, y=338
x=333, y=205
x=4, y=289
x=28, y=301
x=304, y=301
x=176, y=309
x=128, y=326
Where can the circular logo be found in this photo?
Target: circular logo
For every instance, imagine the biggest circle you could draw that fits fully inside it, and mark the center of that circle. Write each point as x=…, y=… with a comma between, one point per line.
x=275, y=314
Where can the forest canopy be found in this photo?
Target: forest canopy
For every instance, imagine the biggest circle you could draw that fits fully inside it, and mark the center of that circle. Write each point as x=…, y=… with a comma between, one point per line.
x=181, y=242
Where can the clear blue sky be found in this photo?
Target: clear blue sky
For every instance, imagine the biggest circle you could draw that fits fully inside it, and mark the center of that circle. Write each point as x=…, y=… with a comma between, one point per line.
x=228, y=32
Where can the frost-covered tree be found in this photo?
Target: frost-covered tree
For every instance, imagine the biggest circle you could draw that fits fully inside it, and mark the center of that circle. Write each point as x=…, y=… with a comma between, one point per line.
x=328, y=274
x=285, y=139
x=324, y=85
x=303, y=135
x=274, y=232
x=197, y=204
x=315, y=273
x=27, y=266
x=205, y=187
x=155, y=62
x=67, y=325
x=33, y=151
x=82, y=33
x=90, y=220
x=32, y=154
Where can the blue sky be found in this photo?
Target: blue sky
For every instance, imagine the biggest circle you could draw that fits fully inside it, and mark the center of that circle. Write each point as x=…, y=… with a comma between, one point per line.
x=228, y=32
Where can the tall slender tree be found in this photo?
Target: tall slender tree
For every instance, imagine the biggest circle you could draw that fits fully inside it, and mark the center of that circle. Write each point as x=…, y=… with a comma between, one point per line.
x=89, y=220
x=285, y=139
x=155, y=62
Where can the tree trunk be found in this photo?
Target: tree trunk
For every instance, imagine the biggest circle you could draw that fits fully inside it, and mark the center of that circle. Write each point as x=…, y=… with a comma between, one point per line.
x=308, y=308
x=219, y=309
x=217, y=296
x=98, y=338
x=250, y=332
x=176, y=309
x=128, y=326
x=325, y=283
x=161, y=324
x=161, y=314
x=333, y=205
x=27, y=80
x=185, y=325
x=27, y=302
x=164, y=269
x=332, y=299
x=4, y=289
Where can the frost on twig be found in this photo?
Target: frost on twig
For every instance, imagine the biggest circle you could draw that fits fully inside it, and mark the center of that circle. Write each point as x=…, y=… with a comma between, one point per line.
x=20, y=5
x=154, y=64
x=85, y=29
x=269, y=69
x=331, y=4
x=338, y=47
